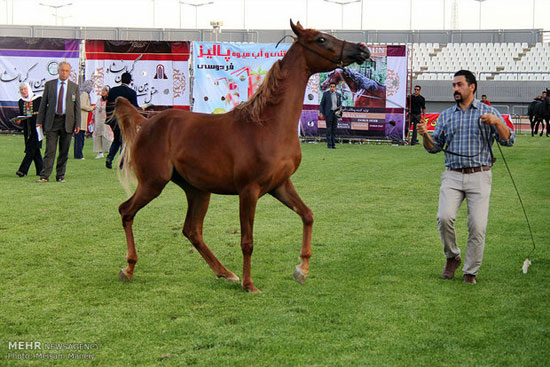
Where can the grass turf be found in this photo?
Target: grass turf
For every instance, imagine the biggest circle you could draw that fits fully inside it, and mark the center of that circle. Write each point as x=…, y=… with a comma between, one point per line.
x=373, y=297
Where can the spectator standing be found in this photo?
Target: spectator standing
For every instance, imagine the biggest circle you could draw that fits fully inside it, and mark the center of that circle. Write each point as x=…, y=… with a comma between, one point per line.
x=485, y=100
x=103, y=135
x=85, y=109
x=417, y=111
x=330, y=103
x=123, y=90
x=467, y=132
x=59, y=116
x=28, y=107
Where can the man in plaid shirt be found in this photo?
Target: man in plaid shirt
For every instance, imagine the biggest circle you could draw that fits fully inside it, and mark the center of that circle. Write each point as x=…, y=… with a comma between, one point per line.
x=465, y=132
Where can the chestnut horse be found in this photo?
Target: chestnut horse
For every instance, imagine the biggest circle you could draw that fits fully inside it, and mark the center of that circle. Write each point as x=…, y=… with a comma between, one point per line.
x=366, y=92
x=250, y=151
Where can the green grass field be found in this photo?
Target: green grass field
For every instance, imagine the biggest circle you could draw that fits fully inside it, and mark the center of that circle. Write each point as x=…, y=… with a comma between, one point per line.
x=373, y=297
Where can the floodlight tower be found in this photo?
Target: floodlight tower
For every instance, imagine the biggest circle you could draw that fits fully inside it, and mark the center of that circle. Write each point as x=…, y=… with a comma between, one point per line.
x=196, y=6
x=480, y=1
x=342, y=3
x=56, y=9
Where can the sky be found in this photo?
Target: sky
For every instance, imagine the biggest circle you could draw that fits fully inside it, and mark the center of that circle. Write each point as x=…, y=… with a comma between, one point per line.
x=275, y=14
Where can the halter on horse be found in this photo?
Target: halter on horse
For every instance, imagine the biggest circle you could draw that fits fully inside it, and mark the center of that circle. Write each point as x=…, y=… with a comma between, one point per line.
x=250, y=151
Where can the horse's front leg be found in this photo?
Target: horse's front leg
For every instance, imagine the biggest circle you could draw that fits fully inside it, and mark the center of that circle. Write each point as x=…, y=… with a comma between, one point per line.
x=286, y=194
x=248, y=198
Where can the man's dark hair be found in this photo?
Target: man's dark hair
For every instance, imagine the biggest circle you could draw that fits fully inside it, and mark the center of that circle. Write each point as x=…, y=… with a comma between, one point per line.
x=126, y=78
x=469, y=76
x=332, y=83
x=483, y=95
x=417, y=86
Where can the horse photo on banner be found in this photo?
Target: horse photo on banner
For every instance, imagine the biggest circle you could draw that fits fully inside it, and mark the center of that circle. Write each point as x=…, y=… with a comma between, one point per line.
x=160, y=70
x=373, y=94
x=31, y=60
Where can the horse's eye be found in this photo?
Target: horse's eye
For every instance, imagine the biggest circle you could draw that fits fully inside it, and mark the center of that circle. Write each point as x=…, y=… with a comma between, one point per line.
x=321, y=40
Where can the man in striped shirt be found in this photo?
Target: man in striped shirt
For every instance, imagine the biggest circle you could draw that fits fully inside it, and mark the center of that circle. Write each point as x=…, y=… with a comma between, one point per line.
x=465, y=132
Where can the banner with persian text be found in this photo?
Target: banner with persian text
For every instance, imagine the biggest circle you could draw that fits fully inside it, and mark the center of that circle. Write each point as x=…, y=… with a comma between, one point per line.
x=160, y=70
x=226, y=74
x=31, y=60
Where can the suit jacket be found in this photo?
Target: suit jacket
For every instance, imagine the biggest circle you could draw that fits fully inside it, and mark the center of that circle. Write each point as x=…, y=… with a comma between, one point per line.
x=325, y=107
x=121, y=91
x=46, y=112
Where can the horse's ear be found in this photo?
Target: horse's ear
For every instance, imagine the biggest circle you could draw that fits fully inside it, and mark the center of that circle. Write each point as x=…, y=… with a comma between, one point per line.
x=296, y=28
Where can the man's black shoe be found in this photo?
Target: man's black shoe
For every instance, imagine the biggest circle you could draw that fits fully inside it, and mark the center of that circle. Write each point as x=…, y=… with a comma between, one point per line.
x=108, y=163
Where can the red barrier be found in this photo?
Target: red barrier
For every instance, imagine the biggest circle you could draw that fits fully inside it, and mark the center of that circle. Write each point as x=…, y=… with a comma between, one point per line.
x=431, y=120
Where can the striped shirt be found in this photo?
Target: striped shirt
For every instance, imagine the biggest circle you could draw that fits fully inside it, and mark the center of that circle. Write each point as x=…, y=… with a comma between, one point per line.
x=462, y=132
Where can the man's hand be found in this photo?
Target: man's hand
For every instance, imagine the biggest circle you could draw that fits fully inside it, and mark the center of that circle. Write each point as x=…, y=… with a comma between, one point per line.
x=421, y=128
x=489, y=119
x=77, y=130
x=501, y=127
x=321, y=117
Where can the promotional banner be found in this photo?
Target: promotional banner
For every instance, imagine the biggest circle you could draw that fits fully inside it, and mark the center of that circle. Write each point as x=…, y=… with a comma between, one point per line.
x=373, y=94
x=160, y=70
x=226, y=74
x=31, y=60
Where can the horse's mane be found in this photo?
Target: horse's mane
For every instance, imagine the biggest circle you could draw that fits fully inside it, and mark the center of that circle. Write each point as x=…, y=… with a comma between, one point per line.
x=269, y=93
x=362, y=81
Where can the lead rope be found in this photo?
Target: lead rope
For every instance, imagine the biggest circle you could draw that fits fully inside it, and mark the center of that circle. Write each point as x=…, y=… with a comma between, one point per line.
x=527, y=261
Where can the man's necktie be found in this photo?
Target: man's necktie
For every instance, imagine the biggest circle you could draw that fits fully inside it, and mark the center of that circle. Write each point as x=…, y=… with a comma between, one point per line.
x=60, y=100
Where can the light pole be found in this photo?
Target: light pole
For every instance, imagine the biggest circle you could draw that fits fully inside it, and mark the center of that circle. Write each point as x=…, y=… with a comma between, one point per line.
x=411, y=15
x=196, y=6
x=444, y=14
x=342, y=3
x=56, y=8
x=480, y=1
x=533, y=14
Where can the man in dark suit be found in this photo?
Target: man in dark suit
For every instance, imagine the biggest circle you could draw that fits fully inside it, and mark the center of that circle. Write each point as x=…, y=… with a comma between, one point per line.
x=123, y=90
x=59, y=116
x=330, y=103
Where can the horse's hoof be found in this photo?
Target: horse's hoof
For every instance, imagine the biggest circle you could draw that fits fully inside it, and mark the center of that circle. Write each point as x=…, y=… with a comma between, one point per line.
x=230, y=278
x=299, y=276
x=123, y=276
x=252, y=290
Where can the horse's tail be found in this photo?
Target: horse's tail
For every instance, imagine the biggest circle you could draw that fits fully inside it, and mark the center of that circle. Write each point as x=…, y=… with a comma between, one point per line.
x=129, y=121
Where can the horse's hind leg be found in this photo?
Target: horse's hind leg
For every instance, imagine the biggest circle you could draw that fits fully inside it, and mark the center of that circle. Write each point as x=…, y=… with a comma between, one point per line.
x=128, y=210
x=286, y=194
x=192, y=229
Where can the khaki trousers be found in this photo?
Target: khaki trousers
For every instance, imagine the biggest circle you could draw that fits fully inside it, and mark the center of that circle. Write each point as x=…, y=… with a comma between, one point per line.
x=476, y=189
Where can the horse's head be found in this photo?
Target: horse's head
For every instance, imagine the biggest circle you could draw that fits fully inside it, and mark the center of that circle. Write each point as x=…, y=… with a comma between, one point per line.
x=333, y=77
x=324, y=52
